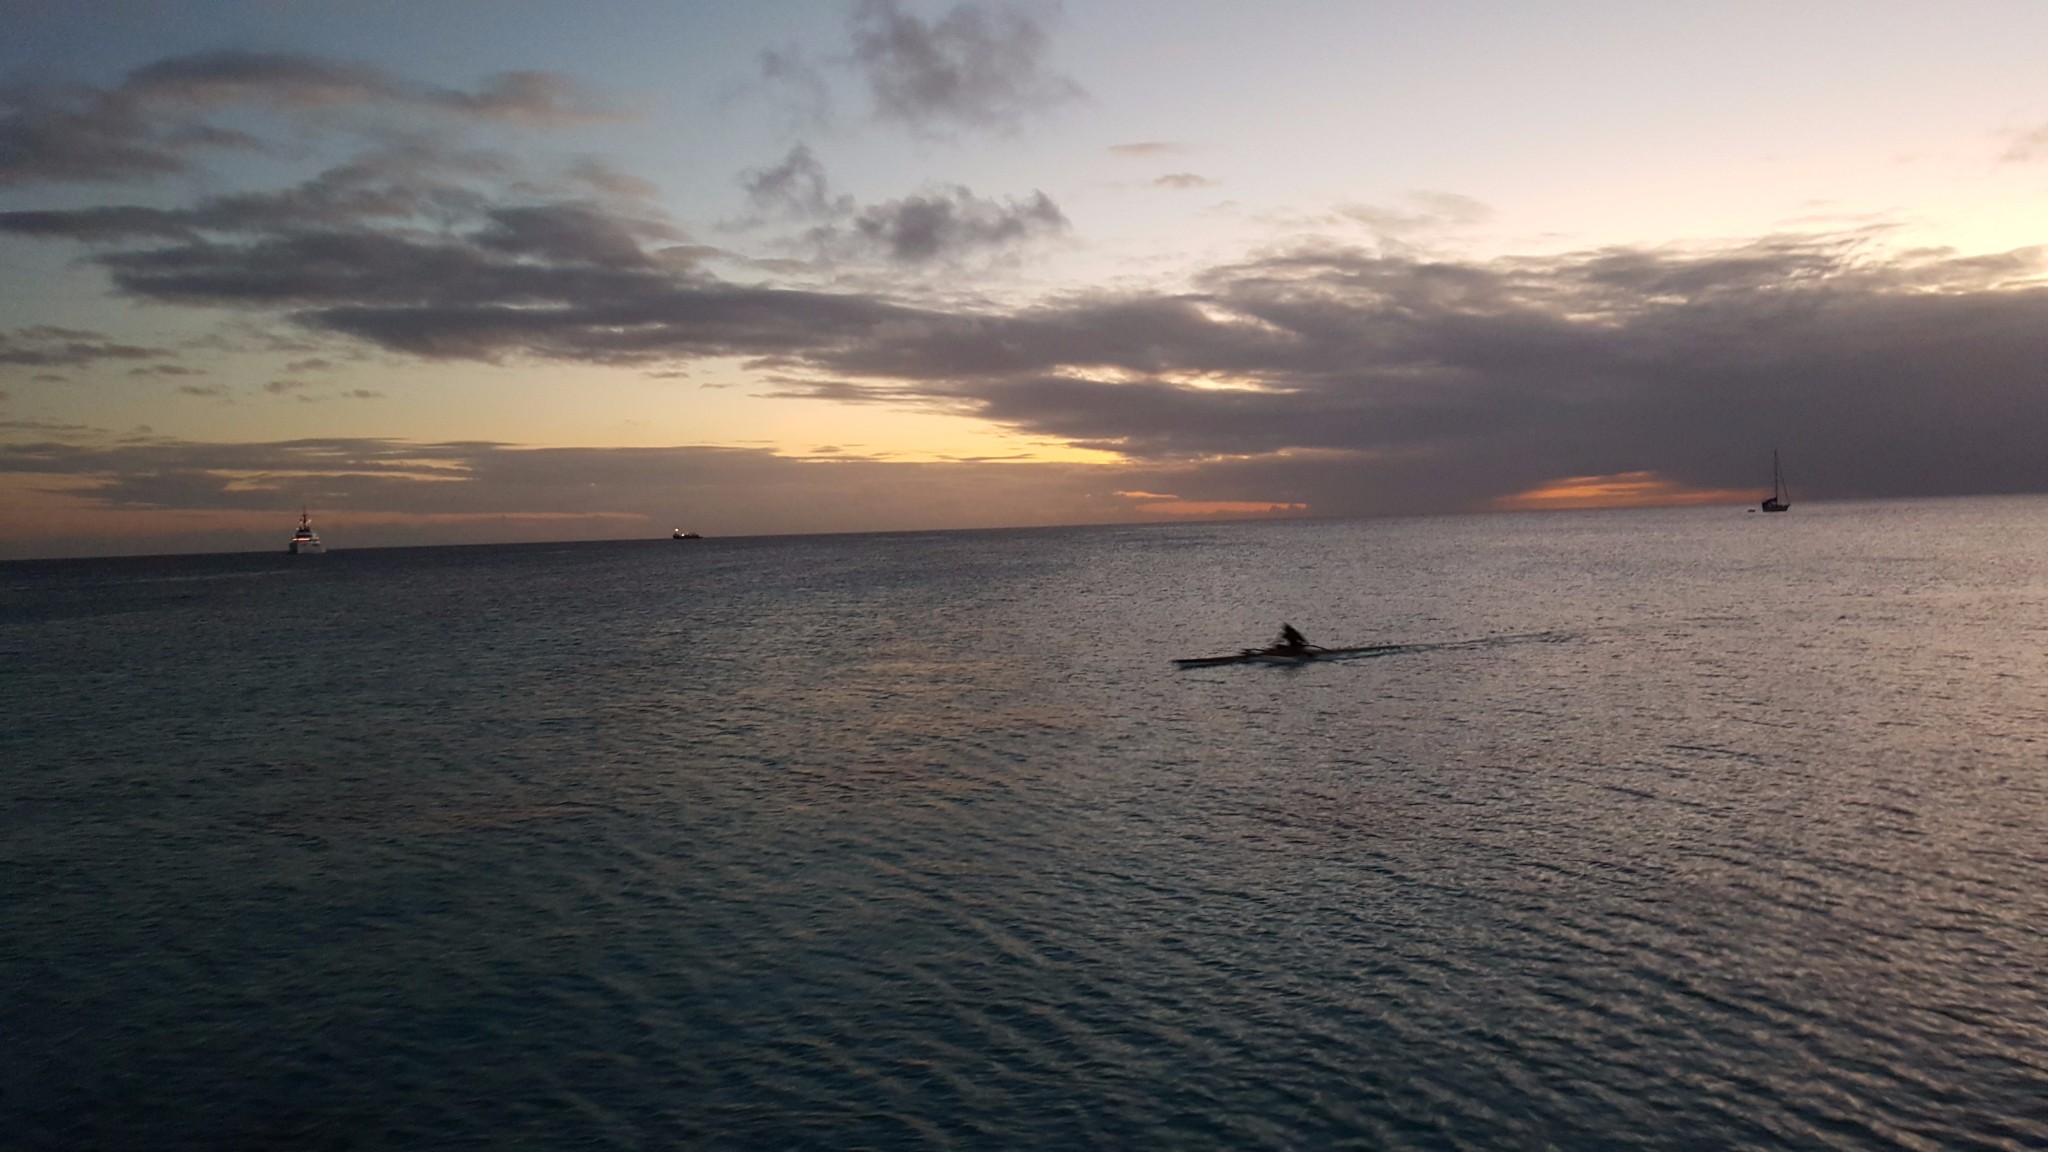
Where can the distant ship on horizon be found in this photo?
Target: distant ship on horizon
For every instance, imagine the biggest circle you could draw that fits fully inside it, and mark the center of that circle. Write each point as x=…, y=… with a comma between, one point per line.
x=682, y=535
x=305, y=541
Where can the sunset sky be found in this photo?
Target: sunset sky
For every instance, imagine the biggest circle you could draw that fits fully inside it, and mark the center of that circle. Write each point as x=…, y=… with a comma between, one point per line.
x=470, y=270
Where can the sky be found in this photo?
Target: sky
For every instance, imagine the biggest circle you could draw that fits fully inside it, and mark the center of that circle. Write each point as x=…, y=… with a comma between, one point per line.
x=489, y=271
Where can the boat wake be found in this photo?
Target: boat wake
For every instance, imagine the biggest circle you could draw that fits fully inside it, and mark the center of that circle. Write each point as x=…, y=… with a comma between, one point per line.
x=1270, y=656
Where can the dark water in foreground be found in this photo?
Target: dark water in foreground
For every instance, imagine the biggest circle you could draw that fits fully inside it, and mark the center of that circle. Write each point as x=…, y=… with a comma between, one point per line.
x=1676, y=829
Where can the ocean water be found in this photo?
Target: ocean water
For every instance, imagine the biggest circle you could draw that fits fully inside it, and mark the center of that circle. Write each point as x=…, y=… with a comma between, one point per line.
x=1665, y=829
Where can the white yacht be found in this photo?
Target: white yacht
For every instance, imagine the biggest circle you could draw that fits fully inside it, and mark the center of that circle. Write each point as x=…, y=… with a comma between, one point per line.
x=305, y=540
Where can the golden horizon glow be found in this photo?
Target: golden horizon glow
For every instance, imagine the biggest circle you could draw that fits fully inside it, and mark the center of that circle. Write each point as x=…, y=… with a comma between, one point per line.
x=1177, y=507
x=1644, y=489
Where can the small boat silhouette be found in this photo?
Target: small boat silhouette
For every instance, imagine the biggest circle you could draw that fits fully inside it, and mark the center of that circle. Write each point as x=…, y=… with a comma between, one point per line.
x=1777, y=501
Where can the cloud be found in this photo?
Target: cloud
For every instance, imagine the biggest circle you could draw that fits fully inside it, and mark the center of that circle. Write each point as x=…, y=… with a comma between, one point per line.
x=46, y=346
x=50, y=133
x=1147, y=149
x=567, y=233
x=950, y=222
x=979, y=66
x=611, y=182
x=1360, y=382
x=1424, y=214
x=232, y=77
x=2028, y=146
x=508, y=256
x=395, y=229
x=1183, y=180
x=406, y=183
x=1625, y=490
x=937, y=225
x=161, y=114
x=298, y=389
x=535, y=99
x=1349, y=379
x=1168, y=504
x=797, y=187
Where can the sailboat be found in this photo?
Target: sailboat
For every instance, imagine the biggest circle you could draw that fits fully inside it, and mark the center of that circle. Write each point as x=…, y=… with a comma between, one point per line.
x=1776, y=501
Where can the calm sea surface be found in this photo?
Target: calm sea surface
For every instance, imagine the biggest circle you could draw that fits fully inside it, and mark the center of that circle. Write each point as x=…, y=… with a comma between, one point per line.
x=1671, y=829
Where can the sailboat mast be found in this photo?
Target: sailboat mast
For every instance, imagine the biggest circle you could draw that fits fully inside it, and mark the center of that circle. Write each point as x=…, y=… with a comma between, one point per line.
x=1777, y=501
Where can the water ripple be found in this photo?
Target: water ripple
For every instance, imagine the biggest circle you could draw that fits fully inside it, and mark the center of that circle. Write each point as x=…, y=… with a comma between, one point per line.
x=920, y=841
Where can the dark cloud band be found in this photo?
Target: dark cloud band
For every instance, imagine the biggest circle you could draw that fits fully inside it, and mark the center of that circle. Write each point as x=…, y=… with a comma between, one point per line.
x=163, y=113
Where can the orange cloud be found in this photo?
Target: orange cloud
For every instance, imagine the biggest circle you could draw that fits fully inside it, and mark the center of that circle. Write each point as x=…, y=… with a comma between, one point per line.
x=1617, y=490
x=1222, y=508
x=1168, y=504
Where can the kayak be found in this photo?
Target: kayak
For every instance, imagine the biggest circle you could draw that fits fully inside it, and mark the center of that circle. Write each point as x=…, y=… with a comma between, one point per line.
x=1286, y=655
